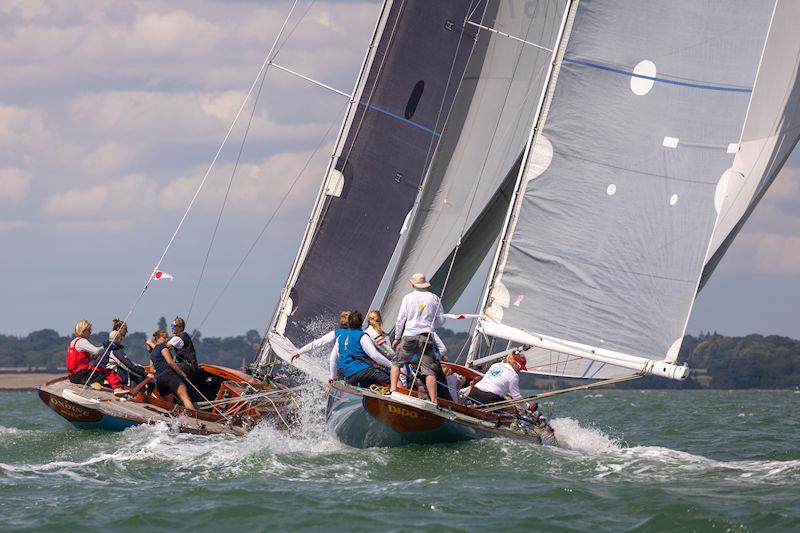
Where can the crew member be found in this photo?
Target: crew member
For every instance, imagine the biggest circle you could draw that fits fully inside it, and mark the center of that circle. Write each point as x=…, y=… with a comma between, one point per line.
x=375, y=332
x=115, y=359
x=79, y=356
x=326, y=339
x=185, y=355
x=169, y=376
x=500, y=381
x=356, y=356
x=420, y=314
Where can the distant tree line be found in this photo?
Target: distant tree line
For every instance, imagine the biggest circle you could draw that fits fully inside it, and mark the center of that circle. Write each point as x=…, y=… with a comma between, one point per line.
x=717, y=361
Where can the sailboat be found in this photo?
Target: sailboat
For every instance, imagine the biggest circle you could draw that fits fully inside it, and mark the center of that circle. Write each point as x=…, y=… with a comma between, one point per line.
x=234, y=403
x=603, y=155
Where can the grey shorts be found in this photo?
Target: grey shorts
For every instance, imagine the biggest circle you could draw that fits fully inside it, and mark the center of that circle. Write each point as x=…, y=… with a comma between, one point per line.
x=414, y=345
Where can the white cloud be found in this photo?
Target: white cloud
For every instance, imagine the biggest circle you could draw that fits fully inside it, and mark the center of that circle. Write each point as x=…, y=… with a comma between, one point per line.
x=765, y=253
x=14, y=184
x=110, y=158
x=129, y=194
x=257, y=187
x=7, y=226
x=785, y=188
x=22, y=131
x=26, y=9
x=104, y=226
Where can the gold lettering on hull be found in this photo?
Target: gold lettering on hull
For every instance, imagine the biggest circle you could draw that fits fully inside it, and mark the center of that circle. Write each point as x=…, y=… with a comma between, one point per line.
x=402, y=411
x=70, y=411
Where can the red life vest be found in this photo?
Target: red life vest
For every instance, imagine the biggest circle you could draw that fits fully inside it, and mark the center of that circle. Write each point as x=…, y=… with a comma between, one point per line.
x=76, y=360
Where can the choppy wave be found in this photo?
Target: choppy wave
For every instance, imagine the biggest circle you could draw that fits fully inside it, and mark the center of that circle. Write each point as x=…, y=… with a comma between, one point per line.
x=612, y=457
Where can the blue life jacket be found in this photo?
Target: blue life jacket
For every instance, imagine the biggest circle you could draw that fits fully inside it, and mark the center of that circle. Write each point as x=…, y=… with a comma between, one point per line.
x=352, y=357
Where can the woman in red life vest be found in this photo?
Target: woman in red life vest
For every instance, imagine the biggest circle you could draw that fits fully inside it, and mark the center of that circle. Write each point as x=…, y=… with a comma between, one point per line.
x=79, y=357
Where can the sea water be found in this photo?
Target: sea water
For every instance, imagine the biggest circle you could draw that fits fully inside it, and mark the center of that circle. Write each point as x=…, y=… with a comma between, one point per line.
x=630, y=460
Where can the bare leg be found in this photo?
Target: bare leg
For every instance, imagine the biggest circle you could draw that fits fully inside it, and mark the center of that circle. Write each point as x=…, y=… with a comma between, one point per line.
x=393, y=377
x=183, y=394
x=430, y=384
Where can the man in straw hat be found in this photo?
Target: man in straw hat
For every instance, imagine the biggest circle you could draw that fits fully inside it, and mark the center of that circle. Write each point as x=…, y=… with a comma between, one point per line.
x=420, y=314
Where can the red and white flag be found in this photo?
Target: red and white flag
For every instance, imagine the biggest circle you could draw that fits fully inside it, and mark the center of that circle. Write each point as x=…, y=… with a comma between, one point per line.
x=460, y=316
x=158, y=274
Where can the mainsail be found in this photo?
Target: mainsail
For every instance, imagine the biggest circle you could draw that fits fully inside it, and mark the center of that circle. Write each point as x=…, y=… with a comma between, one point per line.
x=417, y=57
x=474, y=169
x=625, y=180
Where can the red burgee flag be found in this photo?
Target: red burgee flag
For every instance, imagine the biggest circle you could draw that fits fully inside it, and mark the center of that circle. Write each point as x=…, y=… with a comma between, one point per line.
x=158, y=274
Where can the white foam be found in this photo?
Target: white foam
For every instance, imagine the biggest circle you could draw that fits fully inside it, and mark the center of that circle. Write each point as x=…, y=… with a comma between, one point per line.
x=572, y=436
x=609, y=456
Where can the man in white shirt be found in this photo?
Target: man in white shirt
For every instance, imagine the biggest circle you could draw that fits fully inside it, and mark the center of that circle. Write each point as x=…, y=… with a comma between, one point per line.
x=420, y=314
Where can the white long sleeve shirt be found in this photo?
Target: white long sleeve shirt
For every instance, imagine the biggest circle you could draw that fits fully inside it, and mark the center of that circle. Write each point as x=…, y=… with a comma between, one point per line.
x=420, y=312
x=500, y=379
x=83, y=345
x=318, y=343
x=369, y=347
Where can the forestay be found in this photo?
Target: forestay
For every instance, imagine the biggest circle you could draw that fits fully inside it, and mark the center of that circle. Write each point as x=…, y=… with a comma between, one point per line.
x=470, y=182
x=627, y=173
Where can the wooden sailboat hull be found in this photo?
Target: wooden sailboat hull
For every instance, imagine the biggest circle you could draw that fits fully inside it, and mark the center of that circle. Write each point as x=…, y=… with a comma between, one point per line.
x=87, y=408
x=363, y=419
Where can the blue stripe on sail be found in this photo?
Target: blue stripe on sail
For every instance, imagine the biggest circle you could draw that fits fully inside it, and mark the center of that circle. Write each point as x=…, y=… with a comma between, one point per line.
x=401, y=118
x=661, y=80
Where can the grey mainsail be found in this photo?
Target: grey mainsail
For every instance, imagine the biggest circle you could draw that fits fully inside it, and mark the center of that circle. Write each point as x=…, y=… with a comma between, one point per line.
x=469, y=184
x=417, y=58
x=626, y=177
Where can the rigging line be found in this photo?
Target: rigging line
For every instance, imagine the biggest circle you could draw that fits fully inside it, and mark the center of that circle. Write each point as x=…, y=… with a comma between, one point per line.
x=205, y=177
x=239, y=156
x=225, y=198
x=504, y=34
x=264, y=66
x=496, y=406
x=271, y=217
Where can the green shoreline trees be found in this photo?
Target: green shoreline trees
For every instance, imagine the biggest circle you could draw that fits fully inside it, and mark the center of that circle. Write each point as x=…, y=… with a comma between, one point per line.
x=717, y=361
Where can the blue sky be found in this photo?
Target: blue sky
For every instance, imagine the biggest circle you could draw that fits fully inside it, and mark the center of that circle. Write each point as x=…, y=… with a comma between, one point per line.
x=111, y=112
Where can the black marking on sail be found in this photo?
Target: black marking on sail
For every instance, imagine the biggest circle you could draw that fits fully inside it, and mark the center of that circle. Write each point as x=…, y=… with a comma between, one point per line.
x=413, y=100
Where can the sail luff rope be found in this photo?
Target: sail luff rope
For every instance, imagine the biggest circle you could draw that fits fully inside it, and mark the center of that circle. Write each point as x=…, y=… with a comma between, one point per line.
x=199, y=188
